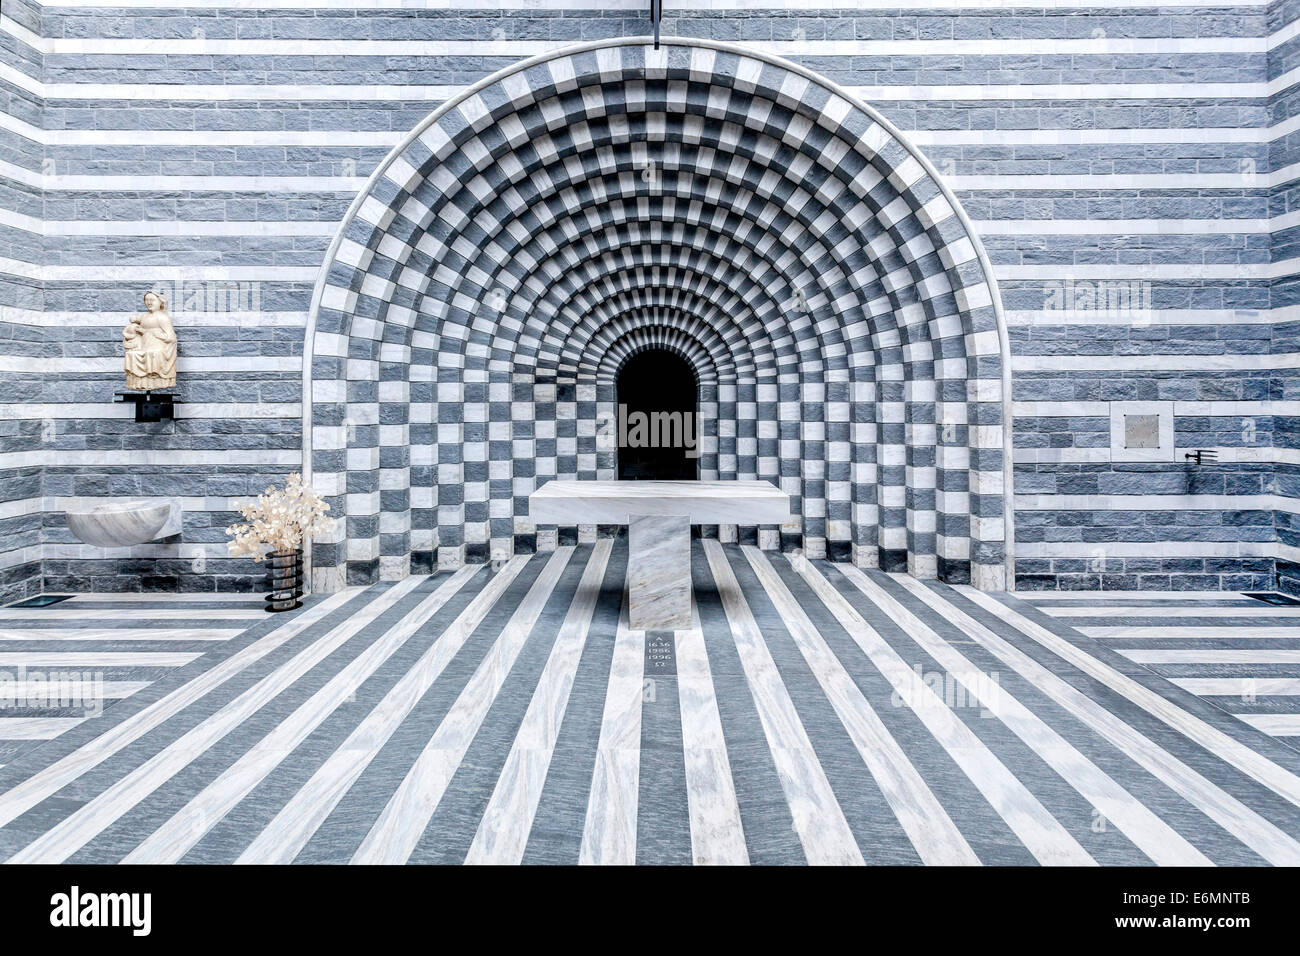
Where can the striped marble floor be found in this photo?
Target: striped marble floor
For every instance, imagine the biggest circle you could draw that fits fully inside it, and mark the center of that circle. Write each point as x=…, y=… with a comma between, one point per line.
x=815, y=714
x=1233, y=651
x=62, y=664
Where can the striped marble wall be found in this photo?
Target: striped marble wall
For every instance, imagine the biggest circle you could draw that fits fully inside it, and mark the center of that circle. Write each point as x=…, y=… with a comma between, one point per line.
x=22, y=433
x=1284, y=213
x=1129, y=165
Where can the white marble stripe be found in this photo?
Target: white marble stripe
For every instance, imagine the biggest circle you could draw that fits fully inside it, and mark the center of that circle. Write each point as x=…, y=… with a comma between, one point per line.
x=68, y=458
x=171, y=614
x=61, y=412
x=292, y=828
x=1159, y=841
x=1275, y=725
x=386, y=139
x=180, y=598
x=96, y=659
x=1207, y=632
x=1162, y=316
x=1147, y=549
x=1263, y=837
x=401, y=824
x=818, y=818
x=937, y=839
x=609, y=827
x=1216, y=656
x=109, y=805
x=36, y=728
x=49, y=780
x=76, y=688
x=108, y=363
x=205, y=318
x=1171, y=502
x=1001, y=182
x=1033, y=182
x=639, y=6
x=717, y=833
x=130, y=47
x=64, y=634
x=92, y=272
x=1245, y=609
x=527, y=5
x=1034, y=597
x=1239, y=686
x=1038, y=227
x=254, y=229
x=502, y=833
x=209, y=806
x=435, y=93
x=1037, y=829
x=1276, y=778
x=1162, y=361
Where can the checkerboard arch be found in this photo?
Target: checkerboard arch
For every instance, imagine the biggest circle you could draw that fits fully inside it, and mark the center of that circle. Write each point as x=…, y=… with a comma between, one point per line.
x=684, y=331
x=899, y=282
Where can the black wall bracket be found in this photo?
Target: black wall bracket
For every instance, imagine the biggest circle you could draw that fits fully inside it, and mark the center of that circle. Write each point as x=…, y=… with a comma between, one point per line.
x=150, y=406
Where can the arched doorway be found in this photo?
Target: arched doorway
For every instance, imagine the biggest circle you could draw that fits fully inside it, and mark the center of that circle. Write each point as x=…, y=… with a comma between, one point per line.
x=658, y=418
x=822, y=281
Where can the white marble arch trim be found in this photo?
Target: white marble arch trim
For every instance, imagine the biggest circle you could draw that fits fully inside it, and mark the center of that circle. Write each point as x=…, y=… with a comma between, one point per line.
x=919, y=161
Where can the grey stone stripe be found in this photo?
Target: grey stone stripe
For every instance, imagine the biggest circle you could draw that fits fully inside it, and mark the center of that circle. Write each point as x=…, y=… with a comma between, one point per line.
x=397, y=832
x=1105, y=840
x=1286, y=761
x=878, y=834
x=235, y=831
x=202, y=742
x=360, y=658
x=556, y=834
x=1122, y=644
x=663, y=825
x=339, y=835
x=770, y=837
x=159, y=713
x=1208, y=624
x=1210, y=767
x=984, y=829
x=451, y=828
x=1225, y=670
x=928, y=825
x=173, y=796
x=663, y=832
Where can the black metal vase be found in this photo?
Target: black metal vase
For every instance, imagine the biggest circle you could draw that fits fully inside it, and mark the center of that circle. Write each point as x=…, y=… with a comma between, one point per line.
x=284, y=579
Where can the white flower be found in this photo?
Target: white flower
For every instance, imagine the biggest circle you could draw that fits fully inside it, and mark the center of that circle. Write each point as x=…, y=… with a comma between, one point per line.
x=281, y=519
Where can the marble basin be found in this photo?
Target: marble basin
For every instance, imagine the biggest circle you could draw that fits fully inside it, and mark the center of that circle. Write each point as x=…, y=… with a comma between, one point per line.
x=120, y=522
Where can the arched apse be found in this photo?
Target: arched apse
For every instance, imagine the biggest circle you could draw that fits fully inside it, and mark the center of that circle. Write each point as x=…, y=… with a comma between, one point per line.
x=529, y=234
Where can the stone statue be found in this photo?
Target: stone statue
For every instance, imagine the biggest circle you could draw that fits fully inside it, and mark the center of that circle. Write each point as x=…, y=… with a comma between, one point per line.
x=149, y=345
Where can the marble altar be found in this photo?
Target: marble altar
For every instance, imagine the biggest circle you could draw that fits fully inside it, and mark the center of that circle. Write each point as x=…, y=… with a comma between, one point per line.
x=659, y=515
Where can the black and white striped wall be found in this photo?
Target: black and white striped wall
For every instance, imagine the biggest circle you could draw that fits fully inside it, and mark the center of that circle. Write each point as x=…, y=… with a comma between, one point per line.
x=1127, y=166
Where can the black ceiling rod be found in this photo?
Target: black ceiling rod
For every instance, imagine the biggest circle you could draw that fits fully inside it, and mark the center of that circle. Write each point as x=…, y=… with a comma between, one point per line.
x=656, y=14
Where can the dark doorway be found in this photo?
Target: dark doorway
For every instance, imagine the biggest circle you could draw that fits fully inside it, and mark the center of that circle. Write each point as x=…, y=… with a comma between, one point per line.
x=658, y=418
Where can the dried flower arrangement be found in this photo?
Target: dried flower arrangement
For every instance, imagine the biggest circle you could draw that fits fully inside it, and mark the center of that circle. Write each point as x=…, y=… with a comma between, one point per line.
x=281, y=519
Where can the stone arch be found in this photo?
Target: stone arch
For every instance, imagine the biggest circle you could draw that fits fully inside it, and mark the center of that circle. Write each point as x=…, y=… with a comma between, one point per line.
x=750, y=211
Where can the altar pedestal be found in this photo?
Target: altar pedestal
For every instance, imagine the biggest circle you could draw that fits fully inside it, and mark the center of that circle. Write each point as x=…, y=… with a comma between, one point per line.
x=659, y=515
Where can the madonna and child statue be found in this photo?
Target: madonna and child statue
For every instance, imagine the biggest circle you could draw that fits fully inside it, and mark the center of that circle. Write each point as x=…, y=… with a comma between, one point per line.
x=149, y=347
